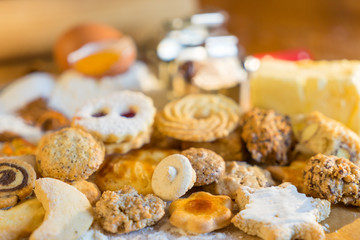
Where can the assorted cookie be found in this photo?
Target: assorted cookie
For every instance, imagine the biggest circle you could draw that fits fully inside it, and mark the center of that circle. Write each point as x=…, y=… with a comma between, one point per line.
x=125, y=210
x=333, y=178
x=123, y=119
x=69, y=154
x=317, y=133
x=134, y=169
x=201, y=213
x=68, y=213
x=208, y=165
x=199, y=117
x=268, y=136
x=17, y=180
x=280, y=213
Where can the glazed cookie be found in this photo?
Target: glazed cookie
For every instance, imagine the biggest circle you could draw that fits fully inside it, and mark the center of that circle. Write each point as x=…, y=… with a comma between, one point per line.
x=201, y=212
x=268, y=136
x=17, y=180
x=68, y=213
x=280, y=213
x=69, y=154
x=208, y=165
x=199, y=117
x=89, y=189
x=173, y=177
x=119, y=117
x=125, y=210
x=333, y=178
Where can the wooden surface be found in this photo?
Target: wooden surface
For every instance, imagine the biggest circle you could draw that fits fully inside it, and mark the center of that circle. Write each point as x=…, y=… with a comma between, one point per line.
x=329, y=29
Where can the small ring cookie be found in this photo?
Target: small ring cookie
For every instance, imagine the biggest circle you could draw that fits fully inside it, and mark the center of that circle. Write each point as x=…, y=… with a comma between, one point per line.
x=173, y=177
x=117, y=118
x=17, y=180
x=208, y=165
x=199, y=117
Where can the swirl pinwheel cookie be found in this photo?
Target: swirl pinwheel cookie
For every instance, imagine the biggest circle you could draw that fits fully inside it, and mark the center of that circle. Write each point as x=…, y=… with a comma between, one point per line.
x=17, y=180
x=199, y=117
x=122, y=120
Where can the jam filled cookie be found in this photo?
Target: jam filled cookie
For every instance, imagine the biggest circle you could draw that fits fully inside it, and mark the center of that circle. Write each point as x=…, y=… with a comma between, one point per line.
x=268, y=136
x=208, y=165
x=69, y=154
x=333, y=178
x=17, y=180
x=123, y=118
x=201, y=213
x=199, y=117
x=125, y=210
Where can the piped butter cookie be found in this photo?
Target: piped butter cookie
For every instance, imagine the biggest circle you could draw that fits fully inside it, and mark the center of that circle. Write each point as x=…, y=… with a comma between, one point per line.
x=17, y=180
x=69, y=154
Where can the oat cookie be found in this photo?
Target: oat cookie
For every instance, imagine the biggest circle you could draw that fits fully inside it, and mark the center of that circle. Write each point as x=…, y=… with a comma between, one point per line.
x=280, y=213
x=199, y=117
x=230, y=148
x=89, y=189
x=17, y=180
x=20, y=221
x=240, y=174
x=333, y=178
x=201, y=213
x=173, y=177
x=317, y=133
x=68, y=213
x=267, y=135
x=69, y=154
x=208, y=165
x=134, y=169
x=117, y=118
x=125, y=210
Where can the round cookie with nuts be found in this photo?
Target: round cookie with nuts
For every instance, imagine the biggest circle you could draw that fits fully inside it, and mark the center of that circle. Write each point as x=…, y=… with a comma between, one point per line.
x=69, y=154
x=208, y=165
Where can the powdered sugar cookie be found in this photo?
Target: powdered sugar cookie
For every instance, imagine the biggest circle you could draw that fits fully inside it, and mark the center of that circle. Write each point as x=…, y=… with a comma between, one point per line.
x=118, y=118
x=173, y=177
x=280, y=213
x=199, y=117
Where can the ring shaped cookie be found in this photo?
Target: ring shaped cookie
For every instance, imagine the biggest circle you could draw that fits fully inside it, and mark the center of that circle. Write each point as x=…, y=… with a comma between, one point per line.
x=199, y=117
x=118, y=117
x=172, y=177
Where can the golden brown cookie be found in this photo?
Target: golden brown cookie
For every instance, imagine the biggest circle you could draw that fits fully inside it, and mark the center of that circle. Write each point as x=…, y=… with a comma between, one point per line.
x=69, y=154
x=231, y=147
x=125, y=210
x=201, y=212
x=267, y=135
x=20, y=221
x=199, y=117
x=89, y=189
x=333, y=178
x=52, y=120
x=17, y=180
x=134, y=169
x=208, y=165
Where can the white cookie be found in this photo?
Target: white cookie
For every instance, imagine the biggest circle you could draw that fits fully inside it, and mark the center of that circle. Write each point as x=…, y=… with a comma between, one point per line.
x=173, y=177
x=280, y=213
x=68, y=213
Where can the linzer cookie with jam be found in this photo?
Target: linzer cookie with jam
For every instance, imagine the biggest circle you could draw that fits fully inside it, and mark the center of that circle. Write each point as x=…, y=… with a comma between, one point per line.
x=17, y=180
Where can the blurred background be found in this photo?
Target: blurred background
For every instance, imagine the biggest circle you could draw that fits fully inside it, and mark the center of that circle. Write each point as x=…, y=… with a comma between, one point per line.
x=327, y=29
